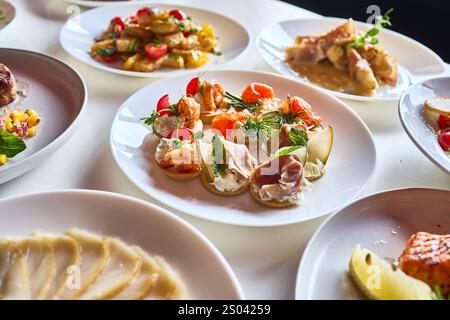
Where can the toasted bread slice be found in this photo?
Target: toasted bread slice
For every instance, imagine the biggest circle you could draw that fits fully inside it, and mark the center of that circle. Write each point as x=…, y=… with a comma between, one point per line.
x=180, y=176
x=270, y=203
x=210, y=187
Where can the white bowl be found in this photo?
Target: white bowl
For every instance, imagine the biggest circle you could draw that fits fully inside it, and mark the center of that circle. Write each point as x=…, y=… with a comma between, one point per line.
x=410, y=109
x=57, y=92
x=382, y=223
x=349, y=168
x=416, y=61
x=200, y=265
x=77, y=36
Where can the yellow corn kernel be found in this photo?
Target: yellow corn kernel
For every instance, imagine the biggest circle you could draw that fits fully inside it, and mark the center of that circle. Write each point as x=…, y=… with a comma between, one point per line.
x=33, y=117
x=3, y=159
x=31, y=131
x=207, y=31
x=130, y=62
x=197, y=59
x=9, y=125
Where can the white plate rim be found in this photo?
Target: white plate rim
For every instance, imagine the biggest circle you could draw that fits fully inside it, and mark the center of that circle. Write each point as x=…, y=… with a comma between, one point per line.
x=68, y=132
x=126, y=198
x=255, y=225
x=155, y=74
x=340, y=94
x=302, y=294
x=401, y=114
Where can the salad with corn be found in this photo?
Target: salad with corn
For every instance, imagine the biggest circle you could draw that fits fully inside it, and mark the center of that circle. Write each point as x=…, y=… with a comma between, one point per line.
x=153, y=39
x=16, y=125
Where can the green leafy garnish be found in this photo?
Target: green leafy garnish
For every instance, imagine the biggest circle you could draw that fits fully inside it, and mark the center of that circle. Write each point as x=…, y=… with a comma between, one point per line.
x=370, y=36
x=216, y=52
x=174, y=56
x=132, y=46
x=238, y=103
x=149, y=120
x=285, y=151
x=178, y=143
x=261, y=127
x=106, y=52
x=197, y=135
x=277, y=119
x=155, y=41
x=298, y=137
x=10, y=144
x=174, y=109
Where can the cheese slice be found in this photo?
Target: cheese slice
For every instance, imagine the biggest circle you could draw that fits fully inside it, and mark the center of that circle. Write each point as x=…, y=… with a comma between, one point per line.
x=14, y=282
x=122, y=266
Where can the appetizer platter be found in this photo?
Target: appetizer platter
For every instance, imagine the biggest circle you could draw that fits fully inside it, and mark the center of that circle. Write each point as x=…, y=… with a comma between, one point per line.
x=258, y=151
x=425, y=115
x=79, y=245
x=352, y=60
x=387, y=246
x=137, y=40
x=41, y=99
x=7, y=13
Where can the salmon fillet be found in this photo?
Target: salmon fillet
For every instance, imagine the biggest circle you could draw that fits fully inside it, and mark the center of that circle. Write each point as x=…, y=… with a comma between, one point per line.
x=427, y=258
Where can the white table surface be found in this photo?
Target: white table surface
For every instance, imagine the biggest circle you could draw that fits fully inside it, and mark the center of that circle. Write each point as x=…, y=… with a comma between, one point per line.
x=264, y=259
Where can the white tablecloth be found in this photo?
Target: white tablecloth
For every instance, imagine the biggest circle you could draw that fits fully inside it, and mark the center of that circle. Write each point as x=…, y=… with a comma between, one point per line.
x=264, y=259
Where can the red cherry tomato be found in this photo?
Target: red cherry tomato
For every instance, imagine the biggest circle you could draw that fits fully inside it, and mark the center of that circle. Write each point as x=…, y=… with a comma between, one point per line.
x=181, y=134
x=163, y=106
x=178, y=14
x=155, y=51
x=444, y=140
x=143, y=11
x=193, y=87
x=111, y=59
x=257, y=91
x=444, y=122
x=118, y=24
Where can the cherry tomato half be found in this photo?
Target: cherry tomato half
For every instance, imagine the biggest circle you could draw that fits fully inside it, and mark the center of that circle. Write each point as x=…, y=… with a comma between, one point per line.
x=178, y=14
x=181, y=134
x=444, y=140
x=118, y=24
x=257, y=91
x=111, y=59
x=193, y=87
x=155, y=51
x=444, y=122
x=163, y=106
x=145, y=10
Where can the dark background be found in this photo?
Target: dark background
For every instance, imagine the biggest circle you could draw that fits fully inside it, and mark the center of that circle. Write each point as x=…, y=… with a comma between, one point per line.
x=427, y=21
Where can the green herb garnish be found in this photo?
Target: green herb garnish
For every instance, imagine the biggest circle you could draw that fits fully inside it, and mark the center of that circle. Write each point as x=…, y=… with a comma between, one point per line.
x=277, y=119
x=216, y=52
x=174, y=109
x=238, y=103
x=155, y=41
x=298, y=137
x=261, y=127
x=174, y=56
x=150, y=120
x=219, y=165
x=285, y=151
x=370, y=36
x=10, y=144
x=197, y=135
x=178, y=143
x=106, y=52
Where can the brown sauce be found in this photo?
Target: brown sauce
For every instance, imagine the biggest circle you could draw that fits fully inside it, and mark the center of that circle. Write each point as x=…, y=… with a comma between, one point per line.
x=327, y=76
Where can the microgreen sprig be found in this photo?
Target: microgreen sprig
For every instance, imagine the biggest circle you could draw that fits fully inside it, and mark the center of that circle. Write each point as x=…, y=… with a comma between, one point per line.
x=238, y=103
x=370, y=36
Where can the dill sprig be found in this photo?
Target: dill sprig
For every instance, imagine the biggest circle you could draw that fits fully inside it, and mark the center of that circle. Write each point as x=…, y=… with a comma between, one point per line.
x=238, y=103
x=370, y=36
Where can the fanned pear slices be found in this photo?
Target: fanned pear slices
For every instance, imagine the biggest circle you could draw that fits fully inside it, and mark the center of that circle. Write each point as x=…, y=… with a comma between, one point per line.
x=168, y=286
x=14, y=283
x=40, y=264
x=143, y=283
x=94, y=257
x=67, y=256
x=122, y=266
x=378, y=280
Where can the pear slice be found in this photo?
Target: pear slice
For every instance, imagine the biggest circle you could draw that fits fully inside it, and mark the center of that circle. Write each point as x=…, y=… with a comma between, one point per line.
x=378, y=280
x=94, y=256
x=40, y=262
x=14, y=282
x=168, y=286
x=313, y=171
x=67, y=254
x=122, y=266
x=142, y=284
x=319, y=145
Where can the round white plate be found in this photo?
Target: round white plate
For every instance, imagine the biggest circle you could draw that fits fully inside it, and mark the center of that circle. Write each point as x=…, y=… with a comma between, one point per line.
x=410, y=109
x=57, y=93
x=349, y=168
x=381, y=223
x=416, y=61
x=7, y=13
x=77, y=36
x=200, y=265
x=98, y=3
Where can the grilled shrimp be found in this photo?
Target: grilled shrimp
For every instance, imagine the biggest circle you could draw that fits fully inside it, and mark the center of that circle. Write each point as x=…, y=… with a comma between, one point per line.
x=211, y=96
x=427, y=258
x=189, y=109
x=183, y=159
x=383, y=64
